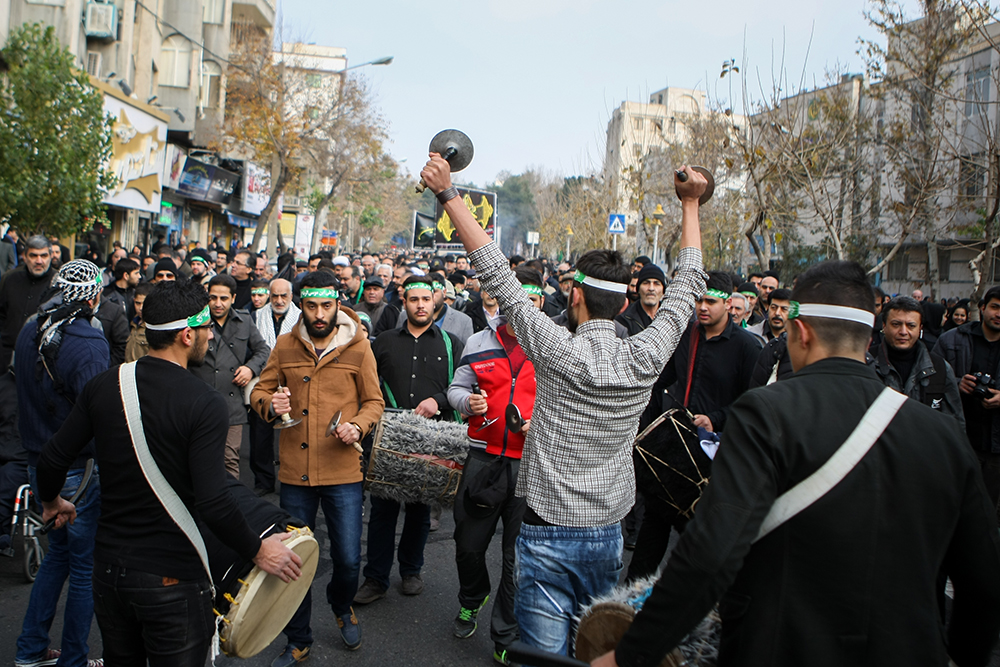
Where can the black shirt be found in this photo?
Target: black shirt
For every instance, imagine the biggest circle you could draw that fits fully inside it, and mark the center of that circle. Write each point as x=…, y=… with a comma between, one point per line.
x=979, y=421
x=241, y=300
x=185, y=422
x=902, y=360
x=415, y=368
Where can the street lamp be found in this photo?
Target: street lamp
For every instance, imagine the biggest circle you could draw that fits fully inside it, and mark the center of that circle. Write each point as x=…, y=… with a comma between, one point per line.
x=387, y=60
x=658, y=215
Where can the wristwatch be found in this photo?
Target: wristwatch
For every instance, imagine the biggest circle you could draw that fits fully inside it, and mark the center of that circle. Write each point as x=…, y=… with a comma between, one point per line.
x=361, y=433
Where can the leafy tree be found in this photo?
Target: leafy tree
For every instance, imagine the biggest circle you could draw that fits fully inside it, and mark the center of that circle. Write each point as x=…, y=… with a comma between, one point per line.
x=55, y=140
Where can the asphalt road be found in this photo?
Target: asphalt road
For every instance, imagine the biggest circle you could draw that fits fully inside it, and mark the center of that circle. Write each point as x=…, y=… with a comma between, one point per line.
x=397, y=630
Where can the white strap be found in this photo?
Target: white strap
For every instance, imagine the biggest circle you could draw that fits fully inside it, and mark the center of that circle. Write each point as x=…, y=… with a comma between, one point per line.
x=161, y=487
x=814, y=487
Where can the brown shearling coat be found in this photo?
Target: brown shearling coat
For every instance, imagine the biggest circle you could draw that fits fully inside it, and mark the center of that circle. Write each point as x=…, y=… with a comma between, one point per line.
x=344, y=378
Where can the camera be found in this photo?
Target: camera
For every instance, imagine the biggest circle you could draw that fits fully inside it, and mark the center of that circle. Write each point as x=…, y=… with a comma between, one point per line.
x=984, y=382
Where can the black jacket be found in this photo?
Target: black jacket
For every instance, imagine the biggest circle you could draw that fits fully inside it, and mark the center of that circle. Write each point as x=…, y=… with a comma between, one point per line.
x=116, y=329
x=851, y=580
x=775, y=352
x=20, y=296
x=922, y=380
x=634, y=318
x=722, y=370
x=956, y=348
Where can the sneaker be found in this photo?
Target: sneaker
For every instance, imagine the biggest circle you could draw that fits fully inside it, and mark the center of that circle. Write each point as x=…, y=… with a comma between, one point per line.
x=50, y=657
x=291, y=656
x=630, y=542
x=500, y=656
x=412, y=585
x=370, y=591
x=99, y=662
x=6, y=546
x=465, y=622
x=350, y=631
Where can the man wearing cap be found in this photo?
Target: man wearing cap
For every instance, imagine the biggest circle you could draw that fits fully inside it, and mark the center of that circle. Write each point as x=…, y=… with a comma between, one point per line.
x=372, y=301
x=57, y=354
x=576, y=470
x=324, y=366
x=416, y=364
x=236, y=355
x=456, y=323
x=495, y=363
x=650, y=284
x=201, y=266
x=850, y=576
x=165, y=269
x=152, y=595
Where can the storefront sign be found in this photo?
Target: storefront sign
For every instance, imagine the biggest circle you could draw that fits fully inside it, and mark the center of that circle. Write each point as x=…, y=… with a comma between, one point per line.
x=206, y=182
x=138, y=145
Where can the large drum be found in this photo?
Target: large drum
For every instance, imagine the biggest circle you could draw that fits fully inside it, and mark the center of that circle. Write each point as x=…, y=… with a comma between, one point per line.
x=605, y=621
x=416, y=460
x=670, y=463
x=252, y=606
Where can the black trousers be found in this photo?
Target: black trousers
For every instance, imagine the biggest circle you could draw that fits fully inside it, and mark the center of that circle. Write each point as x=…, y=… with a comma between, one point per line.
x=654, y=537
x=261, y=452
x=989, y=463
x=145, y=617
x=472, y=538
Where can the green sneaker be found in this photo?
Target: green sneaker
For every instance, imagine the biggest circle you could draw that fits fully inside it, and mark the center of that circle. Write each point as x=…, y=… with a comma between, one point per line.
x=465, y=622
x=500, y=655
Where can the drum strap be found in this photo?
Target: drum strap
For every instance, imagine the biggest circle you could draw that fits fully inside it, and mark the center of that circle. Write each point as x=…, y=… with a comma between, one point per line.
x=451, y=373
x=161, y=487
x=837, y=467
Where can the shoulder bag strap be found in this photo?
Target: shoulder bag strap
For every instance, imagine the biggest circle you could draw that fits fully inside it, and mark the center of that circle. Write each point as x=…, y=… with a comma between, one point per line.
x=161, y=487
x=843, y=461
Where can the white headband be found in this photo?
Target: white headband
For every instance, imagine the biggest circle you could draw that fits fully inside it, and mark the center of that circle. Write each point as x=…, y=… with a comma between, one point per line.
x=607, y=285
x=832, y=312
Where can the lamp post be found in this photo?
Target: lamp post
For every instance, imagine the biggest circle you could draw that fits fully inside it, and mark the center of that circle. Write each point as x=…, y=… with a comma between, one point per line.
x=387, y=60
x=657, y=222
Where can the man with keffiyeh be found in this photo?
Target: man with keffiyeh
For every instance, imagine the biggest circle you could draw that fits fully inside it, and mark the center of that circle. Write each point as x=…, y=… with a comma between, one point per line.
x=56, y=354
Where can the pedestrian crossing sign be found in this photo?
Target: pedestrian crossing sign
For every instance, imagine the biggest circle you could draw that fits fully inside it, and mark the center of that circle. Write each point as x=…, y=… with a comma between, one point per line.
x=616, y=223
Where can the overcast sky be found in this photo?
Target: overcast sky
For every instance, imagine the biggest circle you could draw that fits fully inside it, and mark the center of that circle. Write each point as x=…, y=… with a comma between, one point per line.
x=534, y=82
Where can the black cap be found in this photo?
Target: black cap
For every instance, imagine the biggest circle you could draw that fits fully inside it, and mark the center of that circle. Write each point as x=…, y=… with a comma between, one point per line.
x=374, y=281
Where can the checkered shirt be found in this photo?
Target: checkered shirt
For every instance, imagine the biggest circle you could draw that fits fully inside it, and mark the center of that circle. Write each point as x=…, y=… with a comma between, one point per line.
x=576, y=468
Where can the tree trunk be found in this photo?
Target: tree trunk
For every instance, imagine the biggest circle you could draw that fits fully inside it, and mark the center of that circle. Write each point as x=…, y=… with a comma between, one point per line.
x=933, y=269
x=277, y=188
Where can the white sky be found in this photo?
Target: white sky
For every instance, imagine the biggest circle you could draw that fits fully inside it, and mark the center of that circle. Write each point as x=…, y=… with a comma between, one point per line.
x=534, y=82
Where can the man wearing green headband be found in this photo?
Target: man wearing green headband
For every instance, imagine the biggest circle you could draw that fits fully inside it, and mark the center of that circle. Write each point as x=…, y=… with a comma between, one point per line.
x=323, y=366
x=576, y=474
x=456, y=323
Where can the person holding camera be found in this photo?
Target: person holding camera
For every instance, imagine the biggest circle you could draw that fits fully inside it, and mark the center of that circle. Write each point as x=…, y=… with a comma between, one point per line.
x=973, y=350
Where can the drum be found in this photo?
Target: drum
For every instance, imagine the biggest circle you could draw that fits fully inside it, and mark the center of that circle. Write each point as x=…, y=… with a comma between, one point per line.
x=416, y=460
x=252, y=606
x=604, y=622
x=670, y=463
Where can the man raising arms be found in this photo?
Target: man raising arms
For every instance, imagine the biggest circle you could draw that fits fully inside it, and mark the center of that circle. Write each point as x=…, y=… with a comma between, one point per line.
x=576, y=470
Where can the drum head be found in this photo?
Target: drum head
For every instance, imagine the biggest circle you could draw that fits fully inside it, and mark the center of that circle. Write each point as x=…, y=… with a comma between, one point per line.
x=266, y=603
x=603, y=626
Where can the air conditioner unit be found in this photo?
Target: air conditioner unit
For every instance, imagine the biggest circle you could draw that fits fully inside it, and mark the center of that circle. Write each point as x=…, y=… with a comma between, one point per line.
x=292, y=202
x=101, y=21
x=94, y=64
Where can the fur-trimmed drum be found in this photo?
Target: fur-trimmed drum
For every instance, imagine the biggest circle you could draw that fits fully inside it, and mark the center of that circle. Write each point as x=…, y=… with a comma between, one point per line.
x=416, y=460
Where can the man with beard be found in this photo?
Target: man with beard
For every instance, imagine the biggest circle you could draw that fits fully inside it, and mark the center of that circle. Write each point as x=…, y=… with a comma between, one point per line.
x=416, y=363
x=201, y=266
x=709, y=370
x=277, y=317
x=235, y=356
x=777, y=315
x=20, y=293
x=650, y=285
x=153, y=597
x=351, y=282
x=904, y=364
x=324, y=365
x=971, y=349
x=449, y=319
x=576, y=473
x=57, y=354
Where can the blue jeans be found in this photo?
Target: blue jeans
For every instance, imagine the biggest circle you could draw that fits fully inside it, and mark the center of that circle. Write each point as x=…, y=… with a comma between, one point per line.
x=342, y=509
x=382, y=539
x=70, y=555
x=558, y=570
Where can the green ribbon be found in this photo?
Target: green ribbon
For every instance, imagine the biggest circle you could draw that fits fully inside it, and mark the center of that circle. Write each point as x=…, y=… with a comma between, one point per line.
x=717, y=294
x=533, y=289
x=259, y=291
x=753, y=294
x=438, y=287
x=418, y=286
x=793, y=309
x=199, y=319
x=319, y=293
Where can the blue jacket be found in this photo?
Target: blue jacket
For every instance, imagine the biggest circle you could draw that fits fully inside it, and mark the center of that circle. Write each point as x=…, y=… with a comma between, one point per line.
x=83, y=354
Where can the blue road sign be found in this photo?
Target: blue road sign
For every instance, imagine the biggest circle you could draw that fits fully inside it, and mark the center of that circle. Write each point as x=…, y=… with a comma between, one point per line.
x=616, y=223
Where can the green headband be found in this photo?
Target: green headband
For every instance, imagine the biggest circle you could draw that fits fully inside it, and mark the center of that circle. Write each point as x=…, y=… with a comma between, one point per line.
x=753, y=294
x=438, y=286
x=418, y=286
x=198, y=258
x=717, y=294
x=259, y=291
x=532, y=289
x=197, y=320
x=319, y=293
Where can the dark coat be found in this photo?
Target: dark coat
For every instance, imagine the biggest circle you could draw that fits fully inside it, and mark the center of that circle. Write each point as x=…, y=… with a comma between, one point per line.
x=20, y=297
x=920, y=377
x=116, y=329
x=775, y=352
x=240, y=345
x=634, y=318
x=851, y=580
x=956, y=348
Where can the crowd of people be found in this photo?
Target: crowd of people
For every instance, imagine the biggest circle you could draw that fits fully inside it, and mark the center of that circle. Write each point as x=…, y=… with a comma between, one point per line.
x=590, y=354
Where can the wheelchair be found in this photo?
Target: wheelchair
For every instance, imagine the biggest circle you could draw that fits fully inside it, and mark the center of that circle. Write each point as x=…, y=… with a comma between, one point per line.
x=30, y=521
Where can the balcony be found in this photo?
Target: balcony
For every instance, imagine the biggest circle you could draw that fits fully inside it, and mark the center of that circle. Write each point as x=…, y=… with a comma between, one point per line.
x=258, y=12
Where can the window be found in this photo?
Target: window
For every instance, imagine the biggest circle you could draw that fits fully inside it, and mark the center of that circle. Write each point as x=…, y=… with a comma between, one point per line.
x=213, y=11
x=971, y=177
x=659, y=99
x=211, y=76
x=977, y=91
x=899, y=267
x=314, y=80
x=175, y=62
x=944, y=264
x=637, y=123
